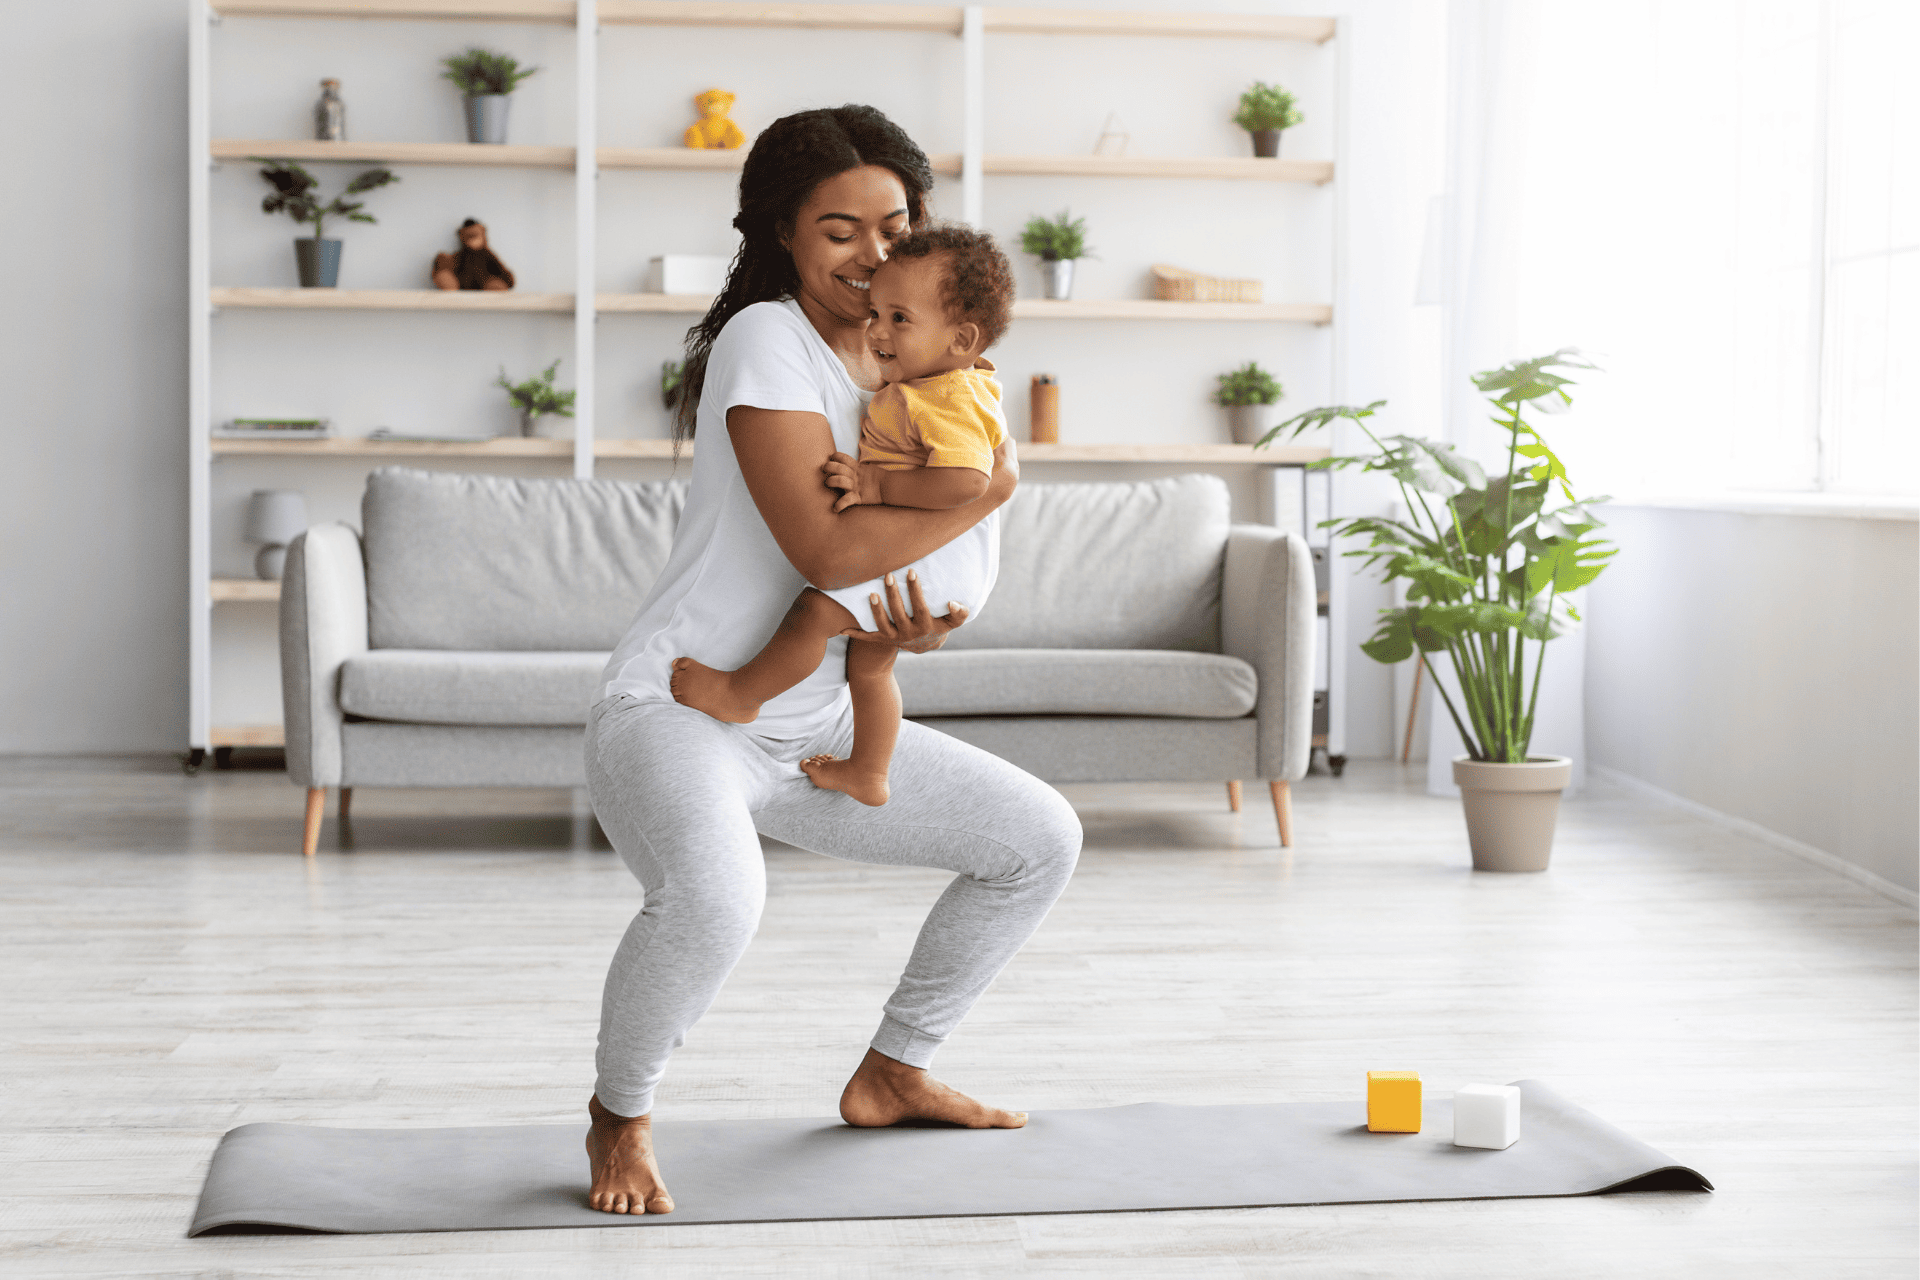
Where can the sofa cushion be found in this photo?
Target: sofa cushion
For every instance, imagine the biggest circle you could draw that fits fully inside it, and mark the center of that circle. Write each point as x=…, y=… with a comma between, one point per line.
x=1113, y=682
x=1108, y=566
x=489, y=562
x=438, y=686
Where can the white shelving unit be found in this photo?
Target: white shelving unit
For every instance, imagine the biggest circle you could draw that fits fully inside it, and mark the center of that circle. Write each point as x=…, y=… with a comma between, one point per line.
x=586, y=158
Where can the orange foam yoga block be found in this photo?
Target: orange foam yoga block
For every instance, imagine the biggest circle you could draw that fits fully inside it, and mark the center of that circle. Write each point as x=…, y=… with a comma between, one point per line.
x=1393, y=1101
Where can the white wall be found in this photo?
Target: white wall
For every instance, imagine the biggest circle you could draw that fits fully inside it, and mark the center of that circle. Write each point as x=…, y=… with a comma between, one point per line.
x=94, y=496
x=1766, y=666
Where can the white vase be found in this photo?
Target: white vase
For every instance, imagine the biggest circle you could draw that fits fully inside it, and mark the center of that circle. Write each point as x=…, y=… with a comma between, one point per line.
x=1057, y=275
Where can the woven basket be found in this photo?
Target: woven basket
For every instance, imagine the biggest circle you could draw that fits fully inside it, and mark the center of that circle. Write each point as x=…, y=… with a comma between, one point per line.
x=1175, y=284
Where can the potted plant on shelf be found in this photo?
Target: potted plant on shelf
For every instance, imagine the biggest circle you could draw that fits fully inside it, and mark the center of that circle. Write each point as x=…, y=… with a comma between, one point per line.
x=317, y=258
x=1488, y=568
x=486, y=78
x=1248, y=394
x=1058, y=243
x=1266, y=109
x=536, y=398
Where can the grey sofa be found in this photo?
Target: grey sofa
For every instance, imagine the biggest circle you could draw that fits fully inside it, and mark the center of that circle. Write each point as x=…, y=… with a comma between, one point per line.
x=1135, y=635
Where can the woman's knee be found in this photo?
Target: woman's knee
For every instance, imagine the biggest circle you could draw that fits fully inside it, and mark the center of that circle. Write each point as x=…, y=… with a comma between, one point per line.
x=1051, y=838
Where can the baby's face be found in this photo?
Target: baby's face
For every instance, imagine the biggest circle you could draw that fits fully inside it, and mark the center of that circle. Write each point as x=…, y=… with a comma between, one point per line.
x=910, y=332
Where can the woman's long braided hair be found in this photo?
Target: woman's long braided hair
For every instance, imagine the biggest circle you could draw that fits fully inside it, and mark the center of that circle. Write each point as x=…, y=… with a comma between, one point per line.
x=794, y=155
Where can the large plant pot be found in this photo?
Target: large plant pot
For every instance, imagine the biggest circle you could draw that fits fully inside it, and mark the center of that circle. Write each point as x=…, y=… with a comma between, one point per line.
x=1057, y=276
x=1511, y=809
x=1249, y=422
x=1266, y=143
x=318, y=261
x=487, y=118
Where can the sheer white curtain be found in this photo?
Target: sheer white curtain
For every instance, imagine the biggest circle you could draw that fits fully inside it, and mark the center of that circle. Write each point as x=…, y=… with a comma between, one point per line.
x=1493, y=74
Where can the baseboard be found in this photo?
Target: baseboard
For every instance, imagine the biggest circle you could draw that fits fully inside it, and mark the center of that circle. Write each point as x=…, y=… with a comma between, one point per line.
x=1786, y=844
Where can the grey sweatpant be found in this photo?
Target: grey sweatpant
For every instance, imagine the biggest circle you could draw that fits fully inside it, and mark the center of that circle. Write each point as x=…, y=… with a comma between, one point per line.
x=681, y=796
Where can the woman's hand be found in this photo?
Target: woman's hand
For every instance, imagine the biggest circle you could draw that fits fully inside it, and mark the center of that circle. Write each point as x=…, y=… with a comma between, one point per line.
x=859, y=482
x=920, y=633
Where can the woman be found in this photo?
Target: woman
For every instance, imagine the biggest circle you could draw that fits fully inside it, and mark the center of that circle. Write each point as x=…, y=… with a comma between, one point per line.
x=778, y=375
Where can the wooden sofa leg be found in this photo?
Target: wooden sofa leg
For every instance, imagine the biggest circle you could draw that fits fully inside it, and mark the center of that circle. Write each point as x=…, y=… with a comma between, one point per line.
x=1283, y=812
x=316, y=809
x=346, y=802
x=1233, y=795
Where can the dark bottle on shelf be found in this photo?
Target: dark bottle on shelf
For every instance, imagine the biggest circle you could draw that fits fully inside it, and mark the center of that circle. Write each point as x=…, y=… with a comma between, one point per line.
x=330, y=114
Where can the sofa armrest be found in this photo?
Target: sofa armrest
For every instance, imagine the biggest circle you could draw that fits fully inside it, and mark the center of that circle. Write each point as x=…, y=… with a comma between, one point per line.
x=1267, y=611
x=323, y=622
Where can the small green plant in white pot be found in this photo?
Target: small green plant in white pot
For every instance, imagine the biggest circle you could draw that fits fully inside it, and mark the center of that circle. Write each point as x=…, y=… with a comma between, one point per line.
x=1489, y=563
x=1058, y=243
x=1265, y=110
x=537, y=399
x=294, y=194
x=1248, y=394
x=486, y=79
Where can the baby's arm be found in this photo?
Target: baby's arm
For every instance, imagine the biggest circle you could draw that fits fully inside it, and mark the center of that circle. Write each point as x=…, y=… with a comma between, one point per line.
x=932, y=488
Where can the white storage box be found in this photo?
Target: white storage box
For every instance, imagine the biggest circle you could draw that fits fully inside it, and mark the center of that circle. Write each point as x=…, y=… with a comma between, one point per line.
x=686, y=273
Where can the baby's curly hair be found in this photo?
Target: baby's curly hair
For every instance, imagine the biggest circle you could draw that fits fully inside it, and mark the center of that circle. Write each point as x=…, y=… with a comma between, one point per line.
x=979, y=277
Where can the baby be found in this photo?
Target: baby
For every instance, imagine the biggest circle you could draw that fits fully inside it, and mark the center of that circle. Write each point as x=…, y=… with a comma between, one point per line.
x=943, y=296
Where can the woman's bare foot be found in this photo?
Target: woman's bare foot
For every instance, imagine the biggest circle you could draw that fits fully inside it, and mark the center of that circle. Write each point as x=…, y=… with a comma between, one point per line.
x=620, y=1153
x=834, y=774
x=884, y=1092
x=697, y=685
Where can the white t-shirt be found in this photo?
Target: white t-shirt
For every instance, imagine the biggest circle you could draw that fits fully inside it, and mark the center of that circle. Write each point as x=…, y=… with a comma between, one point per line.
x=727, y=584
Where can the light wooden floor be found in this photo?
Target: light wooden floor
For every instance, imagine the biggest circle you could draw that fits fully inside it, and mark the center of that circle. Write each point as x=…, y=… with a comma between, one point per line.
x=173, y=969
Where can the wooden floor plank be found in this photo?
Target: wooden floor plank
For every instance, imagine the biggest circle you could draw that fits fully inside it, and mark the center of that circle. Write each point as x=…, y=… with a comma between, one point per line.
x=177, y=969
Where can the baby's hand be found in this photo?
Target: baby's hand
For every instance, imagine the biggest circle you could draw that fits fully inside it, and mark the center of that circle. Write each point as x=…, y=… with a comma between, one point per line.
x=858, y=484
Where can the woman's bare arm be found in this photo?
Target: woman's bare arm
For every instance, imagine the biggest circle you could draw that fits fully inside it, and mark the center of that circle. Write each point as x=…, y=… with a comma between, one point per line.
x=780, y=453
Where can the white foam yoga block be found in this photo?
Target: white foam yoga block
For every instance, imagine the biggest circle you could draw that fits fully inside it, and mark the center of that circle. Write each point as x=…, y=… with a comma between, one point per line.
x=1486, y=1115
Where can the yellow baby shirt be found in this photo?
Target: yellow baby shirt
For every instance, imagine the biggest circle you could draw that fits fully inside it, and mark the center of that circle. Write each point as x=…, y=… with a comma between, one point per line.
x=946, y=420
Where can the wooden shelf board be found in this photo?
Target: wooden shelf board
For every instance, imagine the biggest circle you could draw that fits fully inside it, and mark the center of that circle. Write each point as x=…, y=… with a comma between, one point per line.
x=837, y=17
x=516, y=447
x=1215, y=454
x=452, y=153
x=243, y=589
x=1095, y=22
x=833, y=17
x=715, y=161
x=697, y=304
x=391, y=300
x=561, y=11
x=360, y=447
x=1238, y=168
x=247, y=735
x=1155, y=309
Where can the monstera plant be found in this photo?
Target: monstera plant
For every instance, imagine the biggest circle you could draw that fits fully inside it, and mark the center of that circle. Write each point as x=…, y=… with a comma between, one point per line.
x=1489, y=561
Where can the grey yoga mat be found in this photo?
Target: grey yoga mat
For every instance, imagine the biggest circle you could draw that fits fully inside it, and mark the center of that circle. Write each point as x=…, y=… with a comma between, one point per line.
x=1149, y=1156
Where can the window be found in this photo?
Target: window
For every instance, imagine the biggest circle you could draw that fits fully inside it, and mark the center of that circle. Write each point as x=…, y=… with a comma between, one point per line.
x=1722, y=203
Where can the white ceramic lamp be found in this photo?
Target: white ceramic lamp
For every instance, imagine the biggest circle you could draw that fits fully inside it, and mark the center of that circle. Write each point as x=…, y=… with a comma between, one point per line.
x=275, y=517
x=1486, y=1115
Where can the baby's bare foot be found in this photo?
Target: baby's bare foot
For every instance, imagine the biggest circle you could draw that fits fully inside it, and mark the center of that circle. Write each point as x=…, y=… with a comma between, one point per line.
x=620, y=1154
x=884, y=1092
x=697, y=685
x=833, y=774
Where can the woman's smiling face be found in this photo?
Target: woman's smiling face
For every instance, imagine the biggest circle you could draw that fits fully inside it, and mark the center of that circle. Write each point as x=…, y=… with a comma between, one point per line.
x=840, y=237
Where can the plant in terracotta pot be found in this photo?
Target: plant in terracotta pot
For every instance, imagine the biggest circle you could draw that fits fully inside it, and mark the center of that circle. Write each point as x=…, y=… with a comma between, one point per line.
x=1488, y=563
x=1058, y=243
x=536, y=398
x=485, y=79
x=293, y=194
x=1266, y=109
x=1248, y=395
